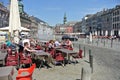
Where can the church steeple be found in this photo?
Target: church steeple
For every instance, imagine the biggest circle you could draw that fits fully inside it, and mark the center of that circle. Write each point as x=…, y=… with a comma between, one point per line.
x=65, y=19
x=21, y=6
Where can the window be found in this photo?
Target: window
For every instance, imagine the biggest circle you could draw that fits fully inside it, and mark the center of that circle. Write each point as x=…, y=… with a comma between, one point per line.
x=113, y=19
x=113, y=14
x=113, y=26
x=118, y=18
x=117, y=12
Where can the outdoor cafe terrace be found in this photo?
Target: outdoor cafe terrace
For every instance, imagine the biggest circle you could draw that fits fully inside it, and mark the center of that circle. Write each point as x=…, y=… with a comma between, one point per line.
x=58, y=63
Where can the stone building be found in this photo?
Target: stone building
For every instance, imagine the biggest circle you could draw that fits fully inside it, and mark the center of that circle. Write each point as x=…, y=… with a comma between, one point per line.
x=86, y=24
x=4, y=14
x=24, y=17
x=103, y=23
x=34, y=27
x=116, y=21
x=45, y=32
x=77, y=28
x=107, y=22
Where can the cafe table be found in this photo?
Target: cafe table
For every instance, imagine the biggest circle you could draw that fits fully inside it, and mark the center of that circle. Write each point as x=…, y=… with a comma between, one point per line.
x=3, y=57
x=40, y=54
x=6, y=73
x=67, y=52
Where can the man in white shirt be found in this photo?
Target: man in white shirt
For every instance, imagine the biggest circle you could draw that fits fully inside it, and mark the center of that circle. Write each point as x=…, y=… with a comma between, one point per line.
x=57, y=43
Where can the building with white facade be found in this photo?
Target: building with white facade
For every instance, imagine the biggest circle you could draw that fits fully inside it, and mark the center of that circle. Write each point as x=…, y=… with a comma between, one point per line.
x=116, y=21
x=45, y=32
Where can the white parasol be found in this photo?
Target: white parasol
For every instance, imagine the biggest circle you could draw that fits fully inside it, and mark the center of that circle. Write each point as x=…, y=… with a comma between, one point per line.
x=14, y=20
x=22, y=29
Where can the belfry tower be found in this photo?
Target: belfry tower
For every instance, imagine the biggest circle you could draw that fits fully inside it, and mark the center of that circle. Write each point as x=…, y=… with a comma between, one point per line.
x=21, y=6
x=65, y=19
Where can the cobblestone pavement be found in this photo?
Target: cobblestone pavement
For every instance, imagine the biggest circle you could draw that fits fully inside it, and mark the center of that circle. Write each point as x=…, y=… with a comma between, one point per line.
x=69, y=72
x=106, y=60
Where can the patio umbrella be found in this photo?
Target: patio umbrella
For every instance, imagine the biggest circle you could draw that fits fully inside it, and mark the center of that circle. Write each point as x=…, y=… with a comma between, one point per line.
x=23, y=29
x=14, y=20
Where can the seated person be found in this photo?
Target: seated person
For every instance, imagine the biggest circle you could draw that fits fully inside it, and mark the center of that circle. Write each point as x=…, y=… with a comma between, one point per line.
x=69, y=44
x=27, y=49
x=63, y=43
x=57, y=43
x=51, y=45
x=10, y=44
x=38, y=47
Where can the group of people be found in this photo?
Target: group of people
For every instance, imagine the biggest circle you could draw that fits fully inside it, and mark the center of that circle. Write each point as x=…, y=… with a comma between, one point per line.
x=29, y=46
x=65, y=43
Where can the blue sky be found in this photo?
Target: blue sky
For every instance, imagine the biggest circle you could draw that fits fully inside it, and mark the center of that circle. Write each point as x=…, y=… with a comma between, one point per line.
x=52, y=11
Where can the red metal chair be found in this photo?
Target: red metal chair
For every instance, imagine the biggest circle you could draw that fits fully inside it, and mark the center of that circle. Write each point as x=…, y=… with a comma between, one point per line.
x=25, y=59
x=12, y=59
x=70, y=48
x=78, y=55
x=9, y=51
x=52, y=53
x=11, y=63
x=59, y=58
x=38, y=47
x=3, y=46
x=26, y=73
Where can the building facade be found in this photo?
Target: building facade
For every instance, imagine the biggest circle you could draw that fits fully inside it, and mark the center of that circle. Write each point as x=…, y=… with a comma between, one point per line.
x=65, y=28
x=45, y=32
x=4, y=15
x=116, y=21
x=107, y=22
x=77, y=28
x=103, y=23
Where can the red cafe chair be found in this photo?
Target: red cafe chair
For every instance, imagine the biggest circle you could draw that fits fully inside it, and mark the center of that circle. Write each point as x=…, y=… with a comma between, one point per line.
x=25, y=59
x=26, y=73
x=12, y=60
x=78, y=55
x=59, y=58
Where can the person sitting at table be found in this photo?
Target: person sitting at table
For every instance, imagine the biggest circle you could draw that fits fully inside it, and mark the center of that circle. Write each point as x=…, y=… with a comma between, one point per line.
x=57, y=43
x=69, y=44
x=27, y=49
x=10, y=44
x=63, y=42
x=38, y=47
x=51, y=45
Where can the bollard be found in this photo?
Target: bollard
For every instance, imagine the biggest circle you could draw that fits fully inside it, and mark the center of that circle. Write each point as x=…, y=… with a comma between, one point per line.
x=104, y=42
x=91, y=63
x=85, y=73
x=97, y=43
x=111, y=42
x=84, y=52
x=89, y=53
x=82, y=74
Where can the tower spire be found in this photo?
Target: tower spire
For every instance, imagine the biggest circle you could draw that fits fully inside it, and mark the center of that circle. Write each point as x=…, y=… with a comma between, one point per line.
x=21, y=6
x=65, y=19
